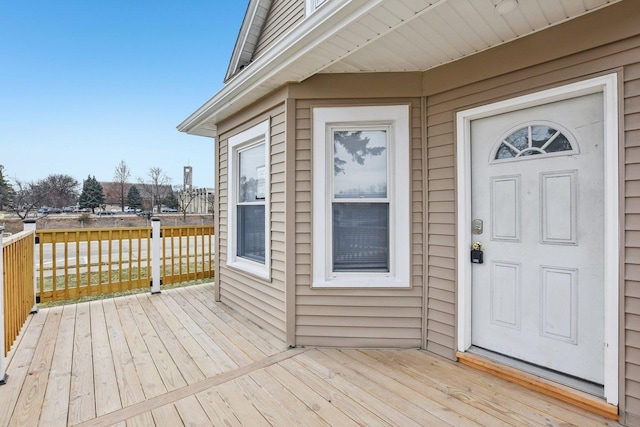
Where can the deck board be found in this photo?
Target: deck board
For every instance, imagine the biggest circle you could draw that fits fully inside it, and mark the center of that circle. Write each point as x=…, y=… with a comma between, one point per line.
x=180, y=358
x=82, y=404
x=33, y=390
x=55, y=409
x=107, y=394
x=126, y=375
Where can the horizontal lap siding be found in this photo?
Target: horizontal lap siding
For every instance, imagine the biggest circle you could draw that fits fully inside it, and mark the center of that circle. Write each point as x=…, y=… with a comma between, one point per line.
x=441, y=234
x=632, y=240
x=441, y=109
x=356, y=317
x=283, y=16
x=262, y=301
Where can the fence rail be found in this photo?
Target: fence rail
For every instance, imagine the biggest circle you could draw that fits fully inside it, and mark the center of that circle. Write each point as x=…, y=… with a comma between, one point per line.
x=73, y=263
x=17, y=262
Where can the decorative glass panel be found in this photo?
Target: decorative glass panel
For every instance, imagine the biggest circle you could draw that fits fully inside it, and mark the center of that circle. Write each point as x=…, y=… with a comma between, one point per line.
x=361, y=237
x=360, y=164
x=533, y=140
x=251, y=238
x=251, y=179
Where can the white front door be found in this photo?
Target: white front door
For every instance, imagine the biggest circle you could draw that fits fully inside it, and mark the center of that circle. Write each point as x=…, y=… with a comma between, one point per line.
x=538, y=209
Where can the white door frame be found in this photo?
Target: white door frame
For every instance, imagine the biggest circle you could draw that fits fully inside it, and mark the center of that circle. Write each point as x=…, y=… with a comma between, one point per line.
x=608, y=86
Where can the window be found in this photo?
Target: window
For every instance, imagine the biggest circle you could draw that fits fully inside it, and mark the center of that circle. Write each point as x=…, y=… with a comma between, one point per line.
x=534, y=140
x=313, y=5
x=361, y=196
x=360, y=206
x=248, y=160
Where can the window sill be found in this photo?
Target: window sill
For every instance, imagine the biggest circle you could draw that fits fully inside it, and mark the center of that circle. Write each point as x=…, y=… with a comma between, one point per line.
x=362, y=282
x=252, y=268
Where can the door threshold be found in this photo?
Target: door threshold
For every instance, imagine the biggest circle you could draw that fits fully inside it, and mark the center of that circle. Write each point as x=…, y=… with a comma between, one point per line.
x=578, y=398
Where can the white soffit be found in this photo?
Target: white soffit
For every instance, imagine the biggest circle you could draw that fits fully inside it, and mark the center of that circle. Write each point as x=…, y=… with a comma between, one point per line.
x=448, y=31
x=382, y=36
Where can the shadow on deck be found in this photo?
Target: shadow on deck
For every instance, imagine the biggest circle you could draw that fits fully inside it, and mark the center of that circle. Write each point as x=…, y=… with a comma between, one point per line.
x=179, y=358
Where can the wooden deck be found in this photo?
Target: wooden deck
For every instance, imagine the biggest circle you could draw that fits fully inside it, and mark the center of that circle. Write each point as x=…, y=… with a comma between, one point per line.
x=179, y=358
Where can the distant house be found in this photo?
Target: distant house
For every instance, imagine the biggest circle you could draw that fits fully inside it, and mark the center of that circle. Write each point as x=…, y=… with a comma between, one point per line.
x=113, y=190
x=364, y=148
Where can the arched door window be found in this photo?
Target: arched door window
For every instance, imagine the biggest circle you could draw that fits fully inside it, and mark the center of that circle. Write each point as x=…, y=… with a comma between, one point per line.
x=534, y=140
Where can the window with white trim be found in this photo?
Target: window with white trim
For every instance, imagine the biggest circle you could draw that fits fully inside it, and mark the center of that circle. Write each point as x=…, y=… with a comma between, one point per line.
x=361, y=182
x=313, y=5
x=248, y=211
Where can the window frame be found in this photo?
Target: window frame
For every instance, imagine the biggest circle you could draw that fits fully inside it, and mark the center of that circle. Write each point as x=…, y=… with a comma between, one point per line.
x=313, y=5
x=250, y=138
x=396, y=119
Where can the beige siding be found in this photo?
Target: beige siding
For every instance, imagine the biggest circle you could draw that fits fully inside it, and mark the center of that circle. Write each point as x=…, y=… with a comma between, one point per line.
x=283, y=15
x=632, y=240
x=362, y=317
x=262, y=301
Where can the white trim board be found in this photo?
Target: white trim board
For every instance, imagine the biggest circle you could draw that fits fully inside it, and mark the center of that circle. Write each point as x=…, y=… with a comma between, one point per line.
x=608, y=86
x=259, y=133
x=398, y=116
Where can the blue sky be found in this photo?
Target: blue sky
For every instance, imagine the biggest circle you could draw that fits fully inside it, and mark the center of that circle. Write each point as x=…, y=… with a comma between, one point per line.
x=86, y=84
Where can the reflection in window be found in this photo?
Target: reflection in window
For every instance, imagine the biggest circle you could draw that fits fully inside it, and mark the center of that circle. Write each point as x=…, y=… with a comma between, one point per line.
x=361, y=237
x=360, y=205
x=533, y=140
x=360, y=164
x=251, y=205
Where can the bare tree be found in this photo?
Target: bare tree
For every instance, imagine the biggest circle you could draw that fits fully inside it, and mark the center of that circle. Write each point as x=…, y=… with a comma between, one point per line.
x=121, y=185
x=186, y=195
x=58, y=190
x=27, y=196
x=156, y=187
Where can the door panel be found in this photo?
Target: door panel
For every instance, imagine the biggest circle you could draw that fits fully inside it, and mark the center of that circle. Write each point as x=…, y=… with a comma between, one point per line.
x=537, y=181
x=505, y=208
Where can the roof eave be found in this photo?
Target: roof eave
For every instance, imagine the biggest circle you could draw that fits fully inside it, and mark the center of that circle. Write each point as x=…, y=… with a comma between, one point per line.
x=293, y=46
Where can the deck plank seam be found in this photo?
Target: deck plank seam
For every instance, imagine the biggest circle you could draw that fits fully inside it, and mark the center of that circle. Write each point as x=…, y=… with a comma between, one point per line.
x=189, y=390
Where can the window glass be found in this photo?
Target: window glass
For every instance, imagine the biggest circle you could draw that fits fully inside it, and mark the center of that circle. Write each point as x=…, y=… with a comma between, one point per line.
x=534, y=140
x=251, y=237
x=361, y=237
x=251, y=169
x=360, y=164
x=360, y=230
x=251, y=193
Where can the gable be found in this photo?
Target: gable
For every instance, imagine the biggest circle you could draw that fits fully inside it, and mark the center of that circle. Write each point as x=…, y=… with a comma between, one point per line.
x=254, y=20
x=283, y=15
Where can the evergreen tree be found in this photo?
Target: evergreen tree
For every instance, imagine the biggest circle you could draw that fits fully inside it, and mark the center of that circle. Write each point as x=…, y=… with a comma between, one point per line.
x=92, y=195
x=171, y=201
x=6, y=190
x=134, y=199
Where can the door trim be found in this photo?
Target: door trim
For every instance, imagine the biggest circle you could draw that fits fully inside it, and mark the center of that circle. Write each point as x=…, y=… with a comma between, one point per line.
x=608, y=86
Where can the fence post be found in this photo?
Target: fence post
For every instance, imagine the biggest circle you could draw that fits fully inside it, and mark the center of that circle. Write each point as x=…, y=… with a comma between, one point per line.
x=28, y=225
x=156, y=242
x=3, y=359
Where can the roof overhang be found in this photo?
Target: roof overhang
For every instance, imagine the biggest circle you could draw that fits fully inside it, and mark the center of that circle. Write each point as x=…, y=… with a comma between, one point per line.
x=352, y=36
